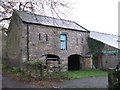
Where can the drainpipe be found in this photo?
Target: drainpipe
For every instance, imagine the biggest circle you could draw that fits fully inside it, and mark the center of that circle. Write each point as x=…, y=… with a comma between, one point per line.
x=28, y=42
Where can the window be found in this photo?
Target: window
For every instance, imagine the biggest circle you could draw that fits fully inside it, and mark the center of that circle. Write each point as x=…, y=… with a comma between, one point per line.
x=39, y=36
x=81, y=39
x=77, y=41
x=46, y=37
x=63, y=42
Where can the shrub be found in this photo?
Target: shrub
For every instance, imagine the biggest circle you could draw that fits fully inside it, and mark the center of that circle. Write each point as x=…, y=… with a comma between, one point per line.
x=10, y=69
x=33, y=68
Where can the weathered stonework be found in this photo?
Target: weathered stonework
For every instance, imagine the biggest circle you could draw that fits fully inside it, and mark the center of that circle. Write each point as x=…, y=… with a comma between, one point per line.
x=13, y=41
x=28, y=41
x=52, y=46
x=37, y=47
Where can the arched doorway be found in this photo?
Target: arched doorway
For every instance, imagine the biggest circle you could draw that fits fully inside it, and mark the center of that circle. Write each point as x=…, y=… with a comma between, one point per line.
x=52, y=62
x=74, y=62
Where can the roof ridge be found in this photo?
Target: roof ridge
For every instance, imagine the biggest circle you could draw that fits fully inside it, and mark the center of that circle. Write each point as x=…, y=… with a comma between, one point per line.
x=108, y=39
x=80, y=25
x=104, y=33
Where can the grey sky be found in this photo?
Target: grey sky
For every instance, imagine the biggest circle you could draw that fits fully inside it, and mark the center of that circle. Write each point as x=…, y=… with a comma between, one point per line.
x=96, y=15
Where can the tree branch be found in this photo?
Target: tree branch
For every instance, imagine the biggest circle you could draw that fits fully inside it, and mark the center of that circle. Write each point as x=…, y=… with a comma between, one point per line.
x=5, y=19
x=25, y=5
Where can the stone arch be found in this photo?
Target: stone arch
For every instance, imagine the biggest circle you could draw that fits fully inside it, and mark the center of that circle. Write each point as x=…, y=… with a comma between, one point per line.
x=52, y=62
x=74, y=62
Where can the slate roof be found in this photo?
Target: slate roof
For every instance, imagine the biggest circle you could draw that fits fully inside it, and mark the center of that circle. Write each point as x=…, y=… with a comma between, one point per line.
x=108, y=39
x=49, y=21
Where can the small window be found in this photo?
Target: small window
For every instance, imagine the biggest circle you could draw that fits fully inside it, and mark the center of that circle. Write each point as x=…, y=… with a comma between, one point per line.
x=63, y=42
x=77, y=42
x=46, y=37
x=81, y=39
x=39, y=36
x=78, y=39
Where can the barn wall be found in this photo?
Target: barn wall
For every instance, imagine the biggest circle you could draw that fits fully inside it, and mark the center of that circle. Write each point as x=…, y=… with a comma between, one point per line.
x=13, y=43
x=28, y=41
x=37, y=47
x=109, y=60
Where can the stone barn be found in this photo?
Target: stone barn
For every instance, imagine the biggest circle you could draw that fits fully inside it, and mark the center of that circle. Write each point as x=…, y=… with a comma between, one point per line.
x=110, y=53
x=32, y=36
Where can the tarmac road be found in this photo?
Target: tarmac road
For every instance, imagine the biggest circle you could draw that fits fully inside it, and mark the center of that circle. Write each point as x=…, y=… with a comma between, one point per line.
x=8, y=82
x=95, y=82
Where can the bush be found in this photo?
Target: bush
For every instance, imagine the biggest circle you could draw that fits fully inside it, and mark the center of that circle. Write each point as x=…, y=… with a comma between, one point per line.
x=10, y=69
x=33, y=68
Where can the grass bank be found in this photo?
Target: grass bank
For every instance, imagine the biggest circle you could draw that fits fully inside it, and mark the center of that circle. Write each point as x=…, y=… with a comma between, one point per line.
x=77, y=74
x=86, y=74
x=61, y=75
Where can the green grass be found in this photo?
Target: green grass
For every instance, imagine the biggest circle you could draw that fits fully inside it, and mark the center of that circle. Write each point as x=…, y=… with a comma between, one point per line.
x=10, y=69
x=85, y=74
x=76, y=74
x=64, y=75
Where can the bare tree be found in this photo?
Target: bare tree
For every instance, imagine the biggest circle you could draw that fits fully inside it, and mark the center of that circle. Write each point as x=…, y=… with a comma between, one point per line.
x=38, y=6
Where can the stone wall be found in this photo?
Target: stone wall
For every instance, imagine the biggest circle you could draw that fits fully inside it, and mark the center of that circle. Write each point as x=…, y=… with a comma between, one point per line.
x=38, y=45
x=13, y=43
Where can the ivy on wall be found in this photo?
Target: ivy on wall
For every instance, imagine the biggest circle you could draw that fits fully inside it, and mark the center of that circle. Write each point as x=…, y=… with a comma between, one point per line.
x=96, y=48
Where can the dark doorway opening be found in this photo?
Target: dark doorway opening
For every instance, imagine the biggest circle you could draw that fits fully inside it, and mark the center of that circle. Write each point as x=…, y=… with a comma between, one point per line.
x=74, y=62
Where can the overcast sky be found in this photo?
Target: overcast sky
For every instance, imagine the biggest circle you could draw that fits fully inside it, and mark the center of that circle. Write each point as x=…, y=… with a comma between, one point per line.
x=96, y=15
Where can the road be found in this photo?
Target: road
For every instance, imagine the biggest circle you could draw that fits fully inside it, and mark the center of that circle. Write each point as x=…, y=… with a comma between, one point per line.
x=8, y=82
x=96, y=82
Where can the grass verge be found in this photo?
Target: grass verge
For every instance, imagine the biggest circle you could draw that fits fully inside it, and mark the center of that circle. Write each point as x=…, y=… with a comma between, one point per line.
x=77, y=74
x=86, y=74
x=68, y=75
